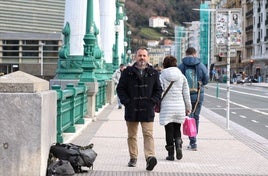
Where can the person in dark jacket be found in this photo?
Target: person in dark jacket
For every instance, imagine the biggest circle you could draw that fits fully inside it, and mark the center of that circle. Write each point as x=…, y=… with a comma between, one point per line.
x=192, y=61
x=139, y=89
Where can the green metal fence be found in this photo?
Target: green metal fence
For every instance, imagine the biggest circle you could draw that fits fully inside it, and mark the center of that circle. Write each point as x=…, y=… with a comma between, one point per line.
x=101, y=95
x=71, y=108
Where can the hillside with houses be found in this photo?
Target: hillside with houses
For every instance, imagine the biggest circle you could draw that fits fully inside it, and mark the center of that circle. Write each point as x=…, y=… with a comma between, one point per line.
x=155, y=19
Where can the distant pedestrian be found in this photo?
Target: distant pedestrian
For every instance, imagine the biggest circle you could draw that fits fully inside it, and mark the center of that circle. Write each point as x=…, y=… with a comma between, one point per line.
x=213, y=73
x=158, y=68
x=216, y=76
x=139, y=90
x=175, y=106
x=192, y=63
x=243, y=76
x=116, y=77
x=234, y=78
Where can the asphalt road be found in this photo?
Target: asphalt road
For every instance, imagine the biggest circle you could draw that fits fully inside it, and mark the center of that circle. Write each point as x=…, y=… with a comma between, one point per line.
x=248, y=105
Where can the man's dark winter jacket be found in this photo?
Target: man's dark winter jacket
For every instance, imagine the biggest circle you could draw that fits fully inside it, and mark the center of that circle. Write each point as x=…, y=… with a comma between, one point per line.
x=202, y=73
x=139, y=93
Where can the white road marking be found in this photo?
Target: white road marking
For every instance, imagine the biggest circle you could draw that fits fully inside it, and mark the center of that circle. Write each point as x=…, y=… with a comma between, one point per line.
x=245, y=107
x=261, y=96
x=242, y=116
x=254, y=121
x=233, y=112
x=216, y=108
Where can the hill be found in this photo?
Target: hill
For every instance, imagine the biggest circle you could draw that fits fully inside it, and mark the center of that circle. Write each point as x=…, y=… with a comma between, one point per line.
x=139, y=12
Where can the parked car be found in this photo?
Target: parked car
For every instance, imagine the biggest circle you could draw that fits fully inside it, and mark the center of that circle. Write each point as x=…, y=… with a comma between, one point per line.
x=240, y=80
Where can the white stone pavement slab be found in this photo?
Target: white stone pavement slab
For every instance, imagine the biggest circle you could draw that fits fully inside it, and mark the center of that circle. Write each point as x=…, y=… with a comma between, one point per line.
x=218, y=151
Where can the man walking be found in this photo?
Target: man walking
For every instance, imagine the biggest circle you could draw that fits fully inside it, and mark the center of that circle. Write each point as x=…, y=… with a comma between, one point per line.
x=197, y=76
x=139, y=90
x=116, y=77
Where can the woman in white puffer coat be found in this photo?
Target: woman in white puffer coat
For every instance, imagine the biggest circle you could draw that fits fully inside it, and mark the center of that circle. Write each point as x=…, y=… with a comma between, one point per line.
x=174, y=106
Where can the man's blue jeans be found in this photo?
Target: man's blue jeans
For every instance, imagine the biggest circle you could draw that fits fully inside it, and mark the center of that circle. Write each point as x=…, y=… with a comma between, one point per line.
x=196, y=116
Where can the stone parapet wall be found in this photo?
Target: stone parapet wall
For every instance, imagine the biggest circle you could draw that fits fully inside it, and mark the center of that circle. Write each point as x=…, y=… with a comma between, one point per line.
x=27, y=124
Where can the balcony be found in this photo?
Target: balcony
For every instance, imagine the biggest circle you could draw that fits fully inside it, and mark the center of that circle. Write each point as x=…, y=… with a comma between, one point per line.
x=249, y=13
x=250, y=27
x=250, y=42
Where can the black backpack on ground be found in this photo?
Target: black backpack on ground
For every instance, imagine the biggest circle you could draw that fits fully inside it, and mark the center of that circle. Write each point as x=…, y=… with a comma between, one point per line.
x=60, y=168
x=77, y=155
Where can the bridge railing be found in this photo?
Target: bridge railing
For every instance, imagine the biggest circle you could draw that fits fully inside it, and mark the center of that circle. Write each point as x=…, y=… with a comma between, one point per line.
x=71, y=108
x=101, y=95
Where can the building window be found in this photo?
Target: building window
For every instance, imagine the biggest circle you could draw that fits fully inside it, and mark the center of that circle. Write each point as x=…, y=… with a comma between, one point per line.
x=51, y=49
x=30, y=48
x=11, y=48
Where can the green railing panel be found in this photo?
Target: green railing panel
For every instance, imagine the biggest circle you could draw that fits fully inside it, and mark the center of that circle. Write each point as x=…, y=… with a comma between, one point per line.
x=67, y=117
x=71, y=108
x=85, y=100
x=78, y=109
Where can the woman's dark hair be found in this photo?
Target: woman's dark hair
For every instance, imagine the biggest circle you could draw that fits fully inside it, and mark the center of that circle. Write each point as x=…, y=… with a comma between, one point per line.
x=169, y=61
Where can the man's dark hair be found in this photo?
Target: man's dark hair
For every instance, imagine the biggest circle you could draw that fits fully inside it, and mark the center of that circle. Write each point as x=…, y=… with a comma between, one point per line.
x=190, y=51
x=169, y=61
x=142, y=48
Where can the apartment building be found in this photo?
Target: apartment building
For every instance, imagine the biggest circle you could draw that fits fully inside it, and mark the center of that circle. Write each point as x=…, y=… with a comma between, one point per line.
x=228, y=24
x=259, y=66
x=30, y=36
x=248, y=35
x=252, y=58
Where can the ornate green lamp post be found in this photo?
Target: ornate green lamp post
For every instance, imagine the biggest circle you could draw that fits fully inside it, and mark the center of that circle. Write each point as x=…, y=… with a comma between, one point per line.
x=119, y=16
x=124, y=59
x=128, y=47
x=88, y=64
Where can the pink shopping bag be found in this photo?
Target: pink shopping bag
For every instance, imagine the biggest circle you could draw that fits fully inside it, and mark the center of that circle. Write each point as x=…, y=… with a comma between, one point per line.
x=189, y=127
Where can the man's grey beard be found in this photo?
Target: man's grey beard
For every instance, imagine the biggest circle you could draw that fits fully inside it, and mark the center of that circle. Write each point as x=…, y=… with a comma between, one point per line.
x=141, y=64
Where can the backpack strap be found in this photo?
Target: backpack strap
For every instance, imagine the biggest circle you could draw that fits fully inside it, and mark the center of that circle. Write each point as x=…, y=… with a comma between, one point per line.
x=198, y=97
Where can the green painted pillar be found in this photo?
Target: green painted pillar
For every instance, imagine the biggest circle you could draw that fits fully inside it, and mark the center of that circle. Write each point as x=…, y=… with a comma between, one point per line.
x=119, y=4
x=68, y=67
x=88, y=64
x=115, y=53
x=100, y=71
